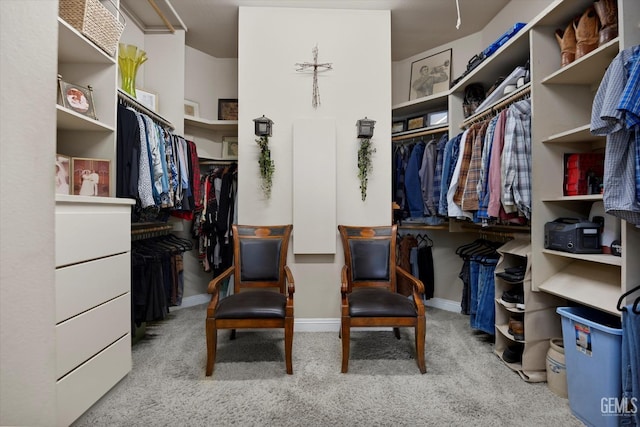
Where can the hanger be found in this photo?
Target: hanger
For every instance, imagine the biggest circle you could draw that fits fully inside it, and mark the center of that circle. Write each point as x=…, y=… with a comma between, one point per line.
x=636, y=304
x=424, y=240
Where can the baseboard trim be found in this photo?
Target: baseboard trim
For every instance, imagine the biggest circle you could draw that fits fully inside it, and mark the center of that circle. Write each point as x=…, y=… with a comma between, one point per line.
x=322, y=324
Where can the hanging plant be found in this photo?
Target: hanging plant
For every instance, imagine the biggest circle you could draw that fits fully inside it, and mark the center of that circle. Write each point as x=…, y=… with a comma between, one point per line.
x=364, y=164
x=266, y=165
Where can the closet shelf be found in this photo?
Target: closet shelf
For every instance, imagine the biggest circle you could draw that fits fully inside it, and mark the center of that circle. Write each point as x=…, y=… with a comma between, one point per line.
x=583, y=198
x=70, y=120
x=73, y=47
x=592, y=284
x=420, y=105
x=578, y=134
x=224, y=125
x=432, y=130
x=598, y=258
x=586, y=70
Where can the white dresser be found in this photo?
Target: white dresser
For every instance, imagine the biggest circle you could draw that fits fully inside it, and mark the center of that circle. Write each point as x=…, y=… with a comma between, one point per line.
x=93, y=300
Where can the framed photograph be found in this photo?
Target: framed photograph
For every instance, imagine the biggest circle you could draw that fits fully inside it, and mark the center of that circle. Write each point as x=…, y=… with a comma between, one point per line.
x=147, y=99
x=77, y=98
x=62, y=179
x=397, y=126
x=430, y=75
x=230, y=147
x=416, y=123
x=437, y=118
x=227, y=109
x=191, y=108
x=90, y=177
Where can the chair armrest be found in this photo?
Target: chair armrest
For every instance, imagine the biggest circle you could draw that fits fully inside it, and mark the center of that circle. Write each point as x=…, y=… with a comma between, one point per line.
x=215, y=283
x=417, y=284
x=291, y=287
x=344, y=276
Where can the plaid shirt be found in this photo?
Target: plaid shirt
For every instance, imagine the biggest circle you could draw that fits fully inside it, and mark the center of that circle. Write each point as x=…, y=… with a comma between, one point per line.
x=464, y=165
x=516, y=159
x=483, y=182
x=448, y=165
x=437, y=176
x=630, y=105
x=619, y=164
x=470, y=194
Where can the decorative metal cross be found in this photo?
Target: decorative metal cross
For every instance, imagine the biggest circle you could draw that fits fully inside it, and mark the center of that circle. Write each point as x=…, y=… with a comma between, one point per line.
x=304, y=66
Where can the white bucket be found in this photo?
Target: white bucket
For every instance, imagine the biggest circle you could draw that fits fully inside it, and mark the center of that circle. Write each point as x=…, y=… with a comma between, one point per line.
x=556, y=368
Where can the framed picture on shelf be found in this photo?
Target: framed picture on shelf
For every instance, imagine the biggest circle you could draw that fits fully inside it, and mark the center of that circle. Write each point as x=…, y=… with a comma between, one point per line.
x=416, y=123
x=62, y=179
x=230, y=147
x=397, y=126
x=77, y=98
x=227, y=109
x=147, y=99
x=430, y=75
x=437, y=118
x=90, y=177
x=191, y=108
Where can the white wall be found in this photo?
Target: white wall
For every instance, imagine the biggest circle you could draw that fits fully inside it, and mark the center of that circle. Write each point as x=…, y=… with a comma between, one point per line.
x=29, y=45
x=208, y=79
x=357, y=43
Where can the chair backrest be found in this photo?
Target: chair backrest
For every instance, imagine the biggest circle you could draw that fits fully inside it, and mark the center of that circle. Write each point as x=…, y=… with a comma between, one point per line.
x=260, y=254
x=370, y=254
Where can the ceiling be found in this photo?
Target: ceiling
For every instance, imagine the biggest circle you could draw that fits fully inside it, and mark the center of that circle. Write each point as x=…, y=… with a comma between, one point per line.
x=212, y=25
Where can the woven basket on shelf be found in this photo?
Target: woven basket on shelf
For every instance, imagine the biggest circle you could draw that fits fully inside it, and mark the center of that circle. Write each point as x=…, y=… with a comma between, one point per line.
x=94, y=21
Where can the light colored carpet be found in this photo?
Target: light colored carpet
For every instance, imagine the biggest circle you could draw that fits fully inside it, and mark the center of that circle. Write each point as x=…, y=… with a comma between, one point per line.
x=465, y=383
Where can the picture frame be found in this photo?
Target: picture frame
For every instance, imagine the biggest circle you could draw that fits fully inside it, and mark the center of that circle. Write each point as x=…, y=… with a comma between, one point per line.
x=90, y=177
x=430, y=75
x=416, y=122
x=191, y=108
x=230, y=147
x=438, y=118
x=227, y=109
x=397, y=126
x=147, y=99
x=62, y=179
x=77, y=98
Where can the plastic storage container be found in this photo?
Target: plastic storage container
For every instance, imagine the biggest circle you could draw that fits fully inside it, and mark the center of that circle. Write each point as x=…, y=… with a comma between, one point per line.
x=592, y=347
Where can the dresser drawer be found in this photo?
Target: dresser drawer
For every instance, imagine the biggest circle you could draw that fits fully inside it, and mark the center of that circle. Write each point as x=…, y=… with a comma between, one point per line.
x=83, y=336
x=83, y=387
x=80, y=287
x=86, y=231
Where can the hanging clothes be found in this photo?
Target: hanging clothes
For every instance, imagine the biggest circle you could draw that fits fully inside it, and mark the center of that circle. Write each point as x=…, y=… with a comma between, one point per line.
x=615, y=114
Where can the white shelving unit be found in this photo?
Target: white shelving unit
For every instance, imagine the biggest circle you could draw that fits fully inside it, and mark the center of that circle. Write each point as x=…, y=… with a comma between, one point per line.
x=208, y=134
x=562, y=99
x=92, y=242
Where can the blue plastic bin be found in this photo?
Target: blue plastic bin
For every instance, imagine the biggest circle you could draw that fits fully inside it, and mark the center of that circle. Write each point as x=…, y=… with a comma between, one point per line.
x=592, y=348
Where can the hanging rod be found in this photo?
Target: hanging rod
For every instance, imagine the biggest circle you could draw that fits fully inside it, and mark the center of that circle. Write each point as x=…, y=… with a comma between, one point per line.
x=133, y=103
x=521, y=93
x=496, y=230
x=216, y=162
x=439, y=129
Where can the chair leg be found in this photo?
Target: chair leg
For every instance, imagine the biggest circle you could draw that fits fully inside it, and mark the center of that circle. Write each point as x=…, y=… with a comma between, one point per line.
x=288, y=343
x=420, y=334
x=345, y=335
x=396, y=332
x=212, y=342
x=233, y=334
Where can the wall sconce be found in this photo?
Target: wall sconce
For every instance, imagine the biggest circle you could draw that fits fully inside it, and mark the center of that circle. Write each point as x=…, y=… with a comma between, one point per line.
x=365, y=127
x=263, y=126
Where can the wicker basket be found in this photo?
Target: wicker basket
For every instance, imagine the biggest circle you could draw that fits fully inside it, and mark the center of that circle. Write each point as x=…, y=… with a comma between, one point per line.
x=94, y=21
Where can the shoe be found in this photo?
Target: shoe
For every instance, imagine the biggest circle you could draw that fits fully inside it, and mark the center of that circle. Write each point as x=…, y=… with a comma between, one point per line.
x=514, y=297
x=567, y=40
x=607, y=11
x=516, y=327
x=587, y=32
x=513, y=353
x=511, y=277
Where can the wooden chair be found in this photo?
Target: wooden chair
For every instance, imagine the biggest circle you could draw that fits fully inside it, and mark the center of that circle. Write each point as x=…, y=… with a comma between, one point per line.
x=260, y=263
x=369, y=292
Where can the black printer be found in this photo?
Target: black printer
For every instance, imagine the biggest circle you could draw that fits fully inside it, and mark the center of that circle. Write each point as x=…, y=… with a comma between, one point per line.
x=578, y=236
